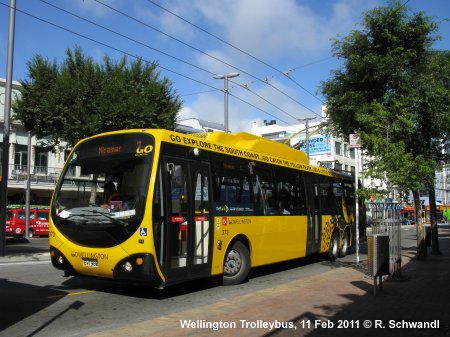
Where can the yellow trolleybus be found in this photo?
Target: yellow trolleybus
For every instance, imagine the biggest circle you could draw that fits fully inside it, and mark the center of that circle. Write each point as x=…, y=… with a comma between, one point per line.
x=162, y=207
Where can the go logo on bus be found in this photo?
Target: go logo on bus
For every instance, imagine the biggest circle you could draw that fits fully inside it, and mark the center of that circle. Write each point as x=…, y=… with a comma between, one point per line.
x=142, y=151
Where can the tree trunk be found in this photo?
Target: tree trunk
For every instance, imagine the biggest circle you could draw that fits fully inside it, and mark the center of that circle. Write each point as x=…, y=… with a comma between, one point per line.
x=433, y=222
x=421, y=244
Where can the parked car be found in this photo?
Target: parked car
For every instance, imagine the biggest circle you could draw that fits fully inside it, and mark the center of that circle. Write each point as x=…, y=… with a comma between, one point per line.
x=16, y=221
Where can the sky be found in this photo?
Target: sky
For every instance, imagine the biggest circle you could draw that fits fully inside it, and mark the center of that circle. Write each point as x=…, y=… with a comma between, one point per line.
x=281, y=49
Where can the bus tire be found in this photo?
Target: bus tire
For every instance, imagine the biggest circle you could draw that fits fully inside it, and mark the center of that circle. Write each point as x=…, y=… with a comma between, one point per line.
x=333, y=252
x=344, y=247
x=236, y=265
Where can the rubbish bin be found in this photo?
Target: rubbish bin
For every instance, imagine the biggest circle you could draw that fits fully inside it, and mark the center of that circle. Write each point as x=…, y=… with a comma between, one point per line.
x=378, y=257
x=378, y=254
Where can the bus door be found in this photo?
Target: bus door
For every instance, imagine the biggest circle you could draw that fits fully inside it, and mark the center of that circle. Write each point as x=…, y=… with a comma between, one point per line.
x=314, y=217
x=189, y=230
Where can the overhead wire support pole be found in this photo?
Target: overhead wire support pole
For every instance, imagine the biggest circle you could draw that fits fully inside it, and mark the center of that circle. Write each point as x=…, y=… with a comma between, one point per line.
x=225, y=93
x=306, y=120
x=6, y=121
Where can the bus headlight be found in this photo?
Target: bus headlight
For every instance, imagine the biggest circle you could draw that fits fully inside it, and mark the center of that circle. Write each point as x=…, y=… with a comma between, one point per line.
x=60, y=260
x=128, y=267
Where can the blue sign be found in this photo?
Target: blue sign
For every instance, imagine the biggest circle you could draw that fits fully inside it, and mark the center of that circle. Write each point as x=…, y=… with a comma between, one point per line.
x=318, y=144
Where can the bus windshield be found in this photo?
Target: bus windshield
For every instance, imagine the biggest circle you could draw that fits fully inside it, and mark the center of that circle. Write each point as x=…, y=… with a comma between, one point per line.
x=100, y=197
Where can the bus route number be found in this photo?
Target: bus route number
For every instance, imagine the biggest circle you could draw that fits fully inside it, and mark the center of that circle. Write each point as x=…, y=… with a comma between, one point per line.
x=224, y=231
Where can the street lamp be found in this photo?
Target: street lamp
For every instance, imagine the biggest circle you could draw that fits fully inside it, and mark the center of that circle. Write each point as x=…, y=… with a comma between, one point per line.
x=225, y=93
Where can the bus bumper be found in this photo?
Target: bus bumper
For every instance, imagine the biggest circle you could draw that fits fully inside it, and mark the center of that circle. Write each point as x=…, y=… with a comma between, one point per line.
x=137, y=267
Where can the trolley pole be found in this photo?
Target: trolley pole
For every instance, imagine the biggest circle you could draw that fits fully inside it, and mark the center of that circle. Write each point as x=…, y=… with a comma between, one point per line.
x=5, y=158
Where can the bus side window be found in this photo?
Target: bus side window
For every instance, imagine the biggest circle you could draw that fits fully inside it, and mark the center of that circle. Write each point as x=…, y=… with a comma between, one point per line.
x=290, y=192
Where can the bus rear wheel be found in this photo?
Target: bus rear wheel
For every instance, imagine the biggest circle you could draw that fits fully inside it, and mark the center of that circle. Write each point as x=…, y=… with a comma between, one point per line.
x=345, y=242
x=236, y=265
x=333, y=252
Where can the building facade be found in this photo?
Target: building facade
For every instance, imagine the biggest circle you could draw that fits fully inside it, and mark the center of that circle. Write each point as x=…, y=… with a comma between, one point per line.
x=45, y=166
x=321, y=149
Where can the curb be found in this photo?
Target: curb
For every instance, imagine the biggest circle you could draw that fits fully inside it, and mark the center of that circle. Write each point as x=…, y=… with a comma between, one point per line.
x=25, y=258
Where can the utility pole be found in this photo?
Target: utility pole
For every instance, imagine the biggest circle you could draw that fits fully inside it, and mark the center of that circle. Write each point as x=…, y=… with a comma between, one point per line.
x=306, y=120
x=225, y=97
x=5, y=158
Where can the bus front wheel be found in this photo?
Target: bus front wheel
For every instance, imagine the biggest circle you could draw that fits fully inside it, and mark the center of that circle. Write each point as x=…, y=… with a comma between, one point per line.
x=236, y=265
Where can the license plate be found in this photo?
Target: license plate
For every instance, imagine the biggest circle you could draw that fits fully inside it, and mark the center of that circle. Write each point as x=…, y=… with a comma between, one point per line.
x=92, y=263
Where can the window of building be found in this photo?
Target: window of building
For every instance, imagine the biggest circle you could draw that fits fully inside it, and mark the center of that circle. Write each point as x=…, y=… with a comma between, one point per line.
x=338, y=147
x=352, y=153
x=41, y=161
x=20, y=157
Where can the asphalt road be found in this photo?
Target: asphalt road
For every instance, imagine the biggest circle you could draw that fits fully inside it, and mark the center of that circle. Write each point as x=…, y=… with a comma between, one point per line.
x=36, y=300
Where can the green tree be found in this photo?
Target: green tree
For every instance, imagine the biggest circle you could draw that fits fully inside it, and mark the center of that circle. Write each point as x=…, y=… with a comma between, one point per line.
x=80, y=98
x=378, y=93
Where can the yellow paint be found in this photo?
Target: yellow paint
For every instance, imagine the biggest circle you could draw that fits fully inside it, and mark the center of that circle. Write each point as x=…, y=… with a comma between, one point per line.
x=272, y=238
x=327, y=229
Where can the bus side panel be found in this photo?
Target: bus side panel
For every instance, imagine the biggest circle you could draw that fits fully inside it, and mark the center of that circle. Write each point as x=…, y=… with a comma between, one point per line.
x=284, y=238
x=327, y=229
x=271, y=238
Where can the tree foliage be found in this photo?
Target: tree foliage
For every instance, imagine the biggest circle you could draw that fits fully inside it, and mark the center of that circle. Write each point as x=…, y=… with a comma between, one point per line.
x=80, y=98
x=385, y=92
x=393, y=90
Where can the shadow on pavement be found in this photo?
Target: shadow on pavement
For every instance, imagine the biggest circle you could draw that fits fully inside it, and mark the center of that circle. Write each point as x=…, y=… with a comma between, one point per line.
x=20, y=300
x=415, y=305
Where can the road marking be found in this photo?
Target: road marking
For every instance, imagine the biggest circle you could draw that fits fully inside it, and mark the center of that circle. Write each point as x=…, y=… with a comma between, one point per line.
x=76, y=293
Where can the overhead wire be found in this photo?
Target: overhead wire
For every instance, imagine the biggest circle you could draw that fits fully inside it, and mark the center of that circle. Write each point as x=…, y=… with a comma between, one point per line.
x=109, y=46
x=202, y=52
x=285, y=73
x=155, y=49
x=134, y=56
x=126, y=37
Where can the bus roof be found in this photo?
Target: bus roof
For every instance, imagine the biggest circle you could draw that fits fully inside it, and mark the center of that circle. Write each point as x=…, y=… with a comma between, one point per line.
x=245, y=145
x=241, y=144
x=251, y=142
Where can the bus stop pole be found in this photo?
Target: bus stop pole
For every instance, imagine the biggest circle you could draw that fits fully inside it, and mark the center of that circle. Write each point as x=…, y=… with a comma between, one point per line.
x=28, y=189
x=357, y=203
x=5, y=158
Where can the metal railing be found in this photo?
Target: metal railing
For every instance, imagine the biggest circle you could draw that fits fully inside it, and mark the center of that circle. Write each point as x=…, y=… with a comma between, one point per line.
x=38, y=174
x=386, y=219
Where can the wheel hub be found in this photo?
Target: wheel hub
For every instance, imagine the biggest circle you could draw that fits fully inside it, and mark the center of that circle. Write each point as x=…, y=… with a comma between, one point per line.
x=233, y=263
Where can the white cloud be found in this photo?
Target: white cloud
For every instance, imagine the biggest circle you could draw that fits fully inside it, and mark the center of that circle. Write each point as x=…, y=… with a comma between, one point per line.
x=284, y=34
x=268, y=29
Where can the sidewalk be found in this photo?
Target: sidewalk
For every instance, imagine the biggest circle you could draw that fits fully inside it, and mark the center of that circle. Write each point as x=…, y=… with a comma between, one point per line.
x=337, y=303
x=20, y=251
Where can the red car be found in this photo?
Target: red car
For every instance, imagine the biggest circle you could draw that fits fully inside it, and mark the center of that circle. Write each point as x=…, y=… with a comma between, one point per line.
x=16, y=218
